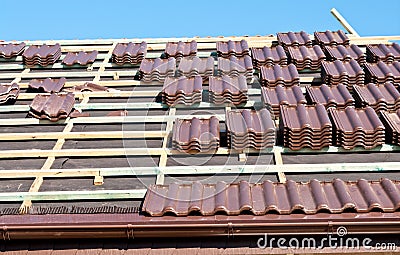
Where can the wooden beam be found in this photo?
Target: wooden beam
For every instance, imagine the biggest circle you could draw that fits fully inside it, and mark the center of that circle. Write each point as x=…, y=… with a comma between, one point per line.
x=164, y=155
x=344, y=23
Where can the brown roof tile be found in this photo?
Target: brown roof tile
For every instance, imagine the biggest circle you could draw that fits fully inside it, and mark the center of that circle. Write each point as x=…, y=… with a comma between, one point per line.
x=88, y=86
x=383, y=52
x=196, y=135
x=234, y=66
x=131, y=53
x=11, y=50
x=157, y=69
x=306, y=57
x=331, y=38
x=345, y=53
x=330, y=96
x=378, y=96
x=291, y=197
x=42, y=55
x=232, y=48
x=47, y=85
x=357, y=127
x=228, y=89
x=52, y=106
x=347, y=73
x=294, y=39
x=8, y=92
x=269, y=56
x=192, y=66
x=279, y=75
x=82, y=58
x=381, y=72
x=181, y=49
x=274, y=97
x=392, y=126
x=250, y=129
x=182, y=90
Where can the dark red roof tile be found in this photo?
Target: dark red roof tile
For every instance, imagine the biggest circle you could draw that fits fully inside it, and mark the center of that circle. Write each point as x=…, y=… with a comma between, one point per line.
x=330, y=96
x=234, y=66
x=131, y=53
x=8, y=92
x=47, y=85
x=182, y=90
x=52, y=106
x=228, y=89
x=387, y=53
x=191, y=66
x=392, y=126
x=279, y=75
x=331, y=38
x=157, y=69
x=347, y=73
x=181, y=49
x=232, y=48
x=294, y=39
x=378, y=96
x=345, y=53
x=82, y=58
x=291, y=197
x=306, y=57
x=269, y=56
x=42, y=55
x=88, y=86
x=381, y=72
x=11, y=50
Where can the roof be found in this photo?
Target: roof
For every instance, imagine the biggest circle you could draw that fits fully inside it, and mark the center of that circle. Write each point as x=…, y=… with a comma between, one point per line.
x=85, y=160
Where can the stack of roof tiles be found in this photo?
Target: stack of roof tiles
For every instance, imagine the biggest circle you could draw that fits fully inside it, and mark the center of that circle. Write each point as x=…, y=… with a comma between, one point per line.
x=11, y=50
x=131, y=53
x=182, y=90
x=357, y=127
x=250, y=129
x=52, y=106
x=306, y=57
x=274, y=97
x=42, y=55
x=387, y=53
x=279, y=75
x=194, y=66
x=345, y=53
x=234, y=66
x=157, y=69
x=269, y=56
x=381, y=97
x=347, y=73
x=391, y=122
x=8, y=92
x=47, y=85
x=305, y=126
x=334, y=96
x=226, y=89
x=181, y=49
x=331, y=38
x=381, y=72
x=294, y=39
x=232, y=48
x=196, y=135
x=82, y=58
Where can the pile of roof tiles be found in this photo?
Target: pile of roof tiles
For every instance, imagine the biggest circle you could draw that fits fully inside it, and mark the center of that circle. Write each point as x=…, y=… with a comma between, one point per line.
x=347, y=73
x=294, y=39
x=250, y=129
x=331, y=38
x=269, y=56
x=182, y=90
x=279, y=75
x=52, y=106
x=345, y=53
x=357, y=127
x=381, y=72
x=235, y=66
x=274, y=97
x=194, y=66
x=82, y=58
x=226, y=89
x=42, y=55
x=181, y=49
x=232, y=48
x=131, y=53
x=157, y=69
x=331, y=97
x=387, y=53
x=46, y=85
x=391, y=122
x=11, y=50
x=381, y=97
x=305, y=126
x=8, y=92
x=306, y=57
x=196, y=135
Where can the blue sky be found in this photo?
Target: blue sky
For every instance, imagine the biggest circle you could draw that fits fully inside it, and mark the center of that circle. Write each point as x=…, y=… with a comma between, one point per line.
x=87, y=19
